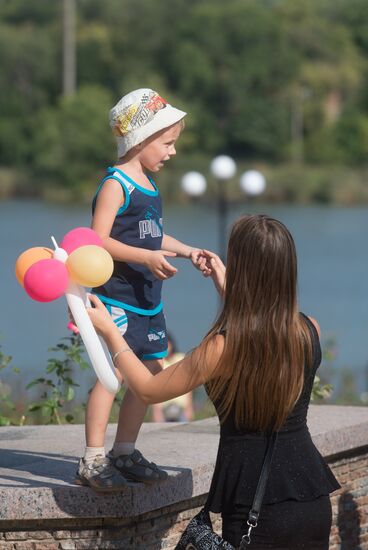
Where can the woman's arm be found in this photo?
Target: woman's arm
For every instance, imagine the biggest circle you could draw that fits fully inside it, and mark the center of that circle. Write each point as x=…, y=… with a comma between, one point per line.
x=218, y=271
x=178, y=379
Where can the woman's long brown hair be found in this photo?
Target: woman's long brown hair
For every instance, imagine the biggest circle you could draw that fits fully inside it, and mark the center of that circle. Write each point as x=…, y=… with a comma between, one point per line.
x=267, y=341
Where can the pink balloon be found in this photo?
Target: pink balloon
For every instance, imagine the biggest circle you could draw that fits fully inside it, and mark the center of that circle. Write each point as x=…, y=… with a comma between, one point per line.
x=46, y=280
x=80, y=236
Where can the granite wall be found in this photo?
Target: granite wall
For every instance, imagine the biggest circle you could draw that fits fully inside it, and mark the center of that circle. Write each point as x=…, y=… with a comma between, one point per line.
x=40, y=508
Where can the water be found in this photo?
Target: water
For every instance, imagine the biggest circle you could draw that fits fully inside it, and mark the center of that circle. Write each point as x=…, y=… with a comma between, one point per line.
x=333, y=285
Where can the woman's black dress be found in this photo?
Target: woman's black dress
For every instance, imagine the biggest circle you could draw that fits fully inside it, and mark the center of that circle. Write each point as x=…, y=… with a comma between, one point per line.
x=296, y=510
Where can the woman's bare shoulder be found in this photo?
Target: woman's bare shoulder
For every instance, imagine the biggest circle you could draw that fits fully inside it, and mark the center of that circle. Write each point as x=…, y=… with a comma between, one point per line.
x=316, y=325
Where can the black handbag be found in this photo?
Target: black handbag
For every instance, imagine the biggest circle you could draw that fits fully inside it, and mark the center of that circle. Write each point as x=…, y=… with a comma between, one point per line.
x=199, y=534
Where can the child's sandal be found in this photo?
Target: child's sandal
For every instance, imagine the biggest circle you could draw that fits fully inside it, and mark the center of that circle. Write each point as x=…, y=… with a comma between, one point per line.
x=137, y=468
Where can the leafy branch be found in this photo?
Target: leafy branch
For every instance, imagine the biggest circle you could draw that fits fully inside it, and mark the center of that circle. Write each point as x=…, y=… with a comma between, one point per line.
x=59, y=389
x=8, y=408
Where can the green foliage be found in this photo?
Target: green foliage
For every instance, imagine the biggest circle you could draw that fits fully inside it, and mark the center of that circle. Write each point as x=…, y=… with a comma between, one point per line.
x=58, y=390
x=27, y=83
x=276, y=80
x=8, y=414
x=347, y=392
x=206, y=410
x=72, y=141
x=344, y=389
x=320, y=391
x=322, y=388
x=352, y=137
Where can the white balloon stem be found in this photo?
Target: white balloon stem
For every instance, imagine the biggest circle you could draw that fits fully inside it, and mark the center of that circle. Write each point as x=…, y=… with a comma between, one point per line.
x=98, y=353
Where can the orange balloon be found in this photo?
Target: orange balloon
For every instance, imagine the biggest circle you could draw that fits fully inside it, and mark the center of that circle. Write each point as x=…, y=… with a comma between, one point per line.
x=30, y=257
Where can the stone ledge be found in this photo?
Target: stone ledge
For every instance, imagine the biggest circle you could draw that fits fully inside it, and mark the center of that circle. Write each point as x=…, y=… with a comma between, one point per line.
x=38, y=463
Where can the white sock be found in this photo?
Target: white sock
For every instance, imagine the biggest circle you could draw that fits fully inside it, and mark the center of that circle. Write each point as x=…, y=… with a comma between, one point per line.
x=90, y=453
x=123, y=448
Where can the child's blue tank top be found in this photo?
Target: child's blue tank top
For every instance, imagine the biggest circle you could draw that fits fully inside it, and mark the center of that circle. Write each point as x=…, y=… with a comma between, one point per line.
x=138, y=223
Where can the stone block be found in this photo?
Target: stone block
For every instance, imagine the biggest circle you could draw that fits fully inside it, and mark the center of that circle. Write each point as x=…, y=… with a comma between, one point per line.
x=67, y=545
x=125, y=543
x=87, y=544
x=16, y=535
x=46, y=545
x=24, y=546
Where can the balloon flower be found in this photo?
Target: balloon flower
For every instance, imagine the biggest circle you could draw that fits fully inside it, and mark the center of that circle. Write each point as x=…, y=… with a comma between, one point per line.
x=81, y=261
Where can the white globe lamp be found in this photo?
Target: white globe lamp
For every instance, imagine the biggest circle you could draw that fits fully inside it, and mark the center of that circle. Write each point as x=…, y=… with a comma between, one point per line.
x=194, y=184
x=223, y=167
x=253, y=182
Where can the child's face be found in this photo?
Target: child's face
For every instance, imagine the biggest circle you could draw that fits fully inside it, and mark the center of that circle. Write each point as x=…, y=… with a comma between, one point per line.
x=159, y=148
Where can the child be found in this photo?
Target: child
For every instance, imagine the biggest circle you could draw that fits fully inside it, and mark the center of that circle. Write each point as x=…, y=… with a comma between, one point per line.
x=128, y=217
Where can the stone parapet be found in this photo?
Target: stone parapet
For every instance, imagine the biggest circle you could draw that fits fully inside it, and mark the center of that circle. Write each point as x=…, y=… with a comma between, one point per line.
x=41, y=508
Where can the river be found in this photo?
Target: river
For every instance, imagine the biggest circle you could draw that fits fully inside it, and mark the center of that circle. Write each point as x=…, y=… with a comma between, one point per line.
x=333, y=282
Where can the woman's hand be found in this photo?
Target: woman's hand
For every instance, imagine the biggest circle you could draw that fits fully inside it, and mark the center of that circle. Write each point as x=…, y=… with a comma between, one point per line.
x=218, y=270
x=199, y=261
x=100, y=317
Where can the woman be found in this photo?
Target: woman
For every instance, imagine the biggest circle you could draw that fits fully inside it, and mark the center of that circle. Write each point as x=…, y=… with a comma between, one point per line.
x=258, y=363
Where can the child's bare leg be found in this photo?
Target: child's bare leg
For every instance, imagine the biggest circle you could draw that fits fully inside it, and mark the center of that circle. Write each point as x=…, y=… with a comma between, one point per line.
x=97, y=415
x=127, y=459
x=94, y=469
x=133, y=410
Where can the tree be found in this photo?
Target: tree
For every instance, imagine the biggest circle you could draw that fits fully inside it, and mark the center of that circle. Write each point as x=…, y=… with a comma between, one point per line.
x=72, y=142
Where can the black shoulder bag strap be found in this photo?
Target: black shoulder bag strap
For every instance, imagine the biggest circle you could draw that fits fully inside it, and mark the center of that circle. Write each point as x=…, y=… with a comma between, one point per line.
x=253, y=515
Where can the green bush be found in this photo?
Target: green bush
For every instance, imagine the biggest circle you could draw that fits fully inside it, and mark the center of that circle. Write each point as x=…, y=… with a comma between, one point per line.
x=72, y=142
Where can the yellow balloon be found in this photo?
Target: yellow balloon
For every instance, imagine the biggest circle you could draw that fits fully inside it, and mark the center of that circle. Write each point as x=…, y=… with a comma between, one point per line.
x=90, y=265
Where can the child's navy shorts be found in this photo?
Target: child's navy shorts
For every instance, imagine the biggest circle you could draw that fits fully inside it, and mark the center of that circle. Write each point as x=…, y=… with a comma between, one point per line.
x=145, y=334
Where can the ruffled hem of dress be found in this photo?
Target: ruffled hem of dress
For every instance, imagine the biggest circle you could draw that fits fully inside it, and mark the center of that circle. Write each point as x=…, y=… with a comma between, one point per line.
x=217, y=508
x=302, y=477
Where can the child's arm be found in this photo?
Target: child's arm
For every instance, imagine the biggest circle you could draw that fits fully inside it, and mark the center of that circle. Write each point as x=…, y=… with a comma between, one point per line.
x=109, y=200
x=177, y=379
x=185, y=251
x=182, y=250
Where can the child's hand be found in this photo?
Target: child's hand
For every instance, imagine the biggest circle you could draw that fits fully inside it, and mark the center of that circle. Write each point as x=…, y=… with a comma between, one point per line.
x=157, y=263
x=100, y=317
x=218, y=270
x=200, y=261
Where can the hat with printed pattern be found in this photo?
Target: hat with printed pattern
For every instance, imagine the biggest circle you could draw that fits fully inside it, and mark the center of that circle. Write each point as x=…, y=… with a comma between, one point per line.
x=140, y=114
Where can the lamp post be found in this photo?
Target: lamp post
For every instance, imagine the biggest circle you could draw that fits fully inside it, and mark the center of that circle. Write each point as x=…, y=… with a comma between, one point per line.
x=223, y=168
x=69, y=47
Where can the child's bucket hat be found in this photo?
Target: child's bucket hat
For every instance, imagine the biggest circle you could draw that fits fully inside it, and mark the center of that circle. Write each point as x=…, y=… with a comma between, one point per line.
x=140, y=114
